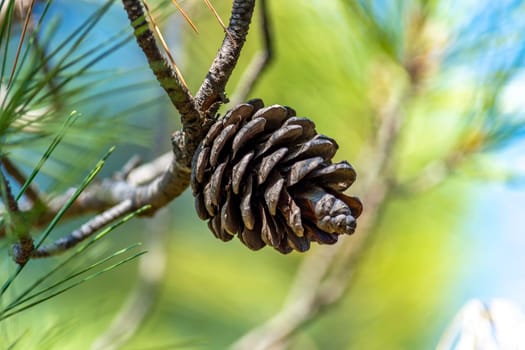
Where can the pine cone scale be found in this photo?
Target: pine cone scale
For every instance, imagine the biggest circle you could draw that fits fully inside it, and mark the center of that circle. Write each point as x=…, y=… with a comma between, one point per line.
x=301, y=168
x=200, y=207
x=213, y=193
x=238, y=114
x=275, y=115
x=270, y=231
x=273, y=192
x=339, y=176
x=246, y=133
x=199, y=167
x=219, y=143
x=252, y=239
x=268, y=163
x=239, y=170
x=291, y=212
x=230, y=216
x=247, y=214
x=283, y=136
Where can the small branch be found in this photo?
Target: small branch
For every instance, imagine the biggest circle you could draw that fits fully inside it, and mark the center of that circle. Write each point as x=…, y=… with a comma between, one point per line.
x=85, y=231
x=130, y=165
x=163, y=189
x=7, y=193
x=165, y=73
x=146, y=173
x=196, y=115
x=13, y=222
x=259, y=62
x=117, y=198
x=20, y=178
x=211, y=93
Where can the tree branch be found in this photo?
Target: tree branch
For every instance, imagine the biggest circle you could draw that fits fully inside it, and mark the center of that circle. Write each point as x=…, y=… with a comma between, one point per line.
x=116, y=197
x=85, y=231
x=164, y=72
x=211, y=93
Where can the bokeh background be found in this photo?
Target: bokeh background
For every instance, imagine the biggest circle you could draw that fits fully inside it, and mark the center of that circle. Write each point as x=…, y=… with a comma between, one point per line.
x=451, y=230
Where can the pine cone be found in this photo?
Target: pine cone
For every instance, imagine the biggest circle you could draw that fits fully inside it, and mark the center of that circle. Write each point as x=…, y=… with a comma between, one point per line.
x=265, y=175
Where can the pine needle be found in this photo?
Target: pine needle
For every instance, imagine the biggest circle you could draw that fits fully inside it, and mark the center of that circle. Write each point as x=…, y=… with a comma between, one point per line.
x=20, y=42
x=67, y=279
x=87, y=180
x=69, y=121
x=77, y=253
x=164, y=45
x=185, y=15
x=216, y=14
x=65, y=289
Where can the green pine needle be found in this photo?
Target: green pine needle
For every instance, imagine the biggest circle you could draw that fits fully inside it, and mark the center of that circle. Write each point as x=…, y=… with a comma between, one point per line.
x=76, y=254
x=65, y=289
x=67, y=124
x=66, y=279
x=87, y=180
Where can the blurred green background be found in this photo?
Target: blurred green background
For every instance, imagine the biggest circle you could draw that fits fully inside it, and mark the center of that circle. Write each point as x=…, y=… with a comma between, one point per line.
x=343, y=64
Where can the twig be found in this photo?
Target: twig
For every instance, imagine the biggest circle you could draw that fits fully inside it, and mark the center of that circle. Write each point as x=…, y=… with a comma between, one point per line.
x=259, y=62
x=164, y=72
x=164, y=45
x=157, y=194
x=128, y=167
x=7, y=194
x=85, y=231
x=211, y=93
x=196, y=114
x=23, y=249
x=20, y=178
x=432, y=175
x=148, y=172
x=102, y=195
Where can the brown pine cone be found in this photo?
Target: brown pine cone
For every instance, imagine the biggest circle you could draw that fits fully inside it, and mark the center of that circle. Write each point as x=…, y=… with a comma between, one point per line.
x=265, y=175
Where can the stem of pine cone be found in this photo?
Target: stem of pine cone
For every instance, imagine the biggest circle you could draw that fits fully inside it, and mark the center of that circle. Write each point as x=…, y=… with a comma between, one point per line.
x=211, y=93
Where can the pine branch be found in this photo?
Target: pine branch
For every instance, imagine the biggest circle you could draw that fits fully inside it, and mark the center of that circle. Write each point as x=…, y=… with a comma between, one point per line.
x=85, y=231
x=24, y=246
x=164, y=72
x=20, y=178
x=211, y=93
x=116, y=197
